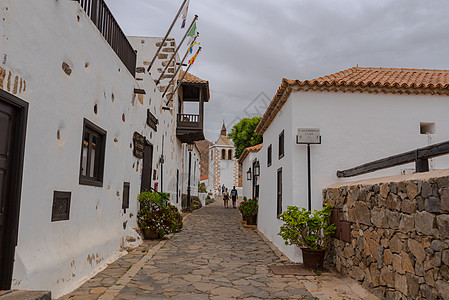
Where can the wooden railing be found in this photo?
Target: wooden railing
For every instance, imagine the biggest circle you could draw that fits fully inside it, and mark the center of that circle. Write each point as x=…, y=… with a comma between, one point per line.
x=419, y=156
x=102, y=17
x=188, y=118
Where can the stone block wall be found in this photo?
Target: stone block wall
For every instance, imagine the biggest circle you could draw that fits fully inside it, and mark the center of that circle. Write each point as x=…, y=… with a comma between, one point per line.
x=399, y=245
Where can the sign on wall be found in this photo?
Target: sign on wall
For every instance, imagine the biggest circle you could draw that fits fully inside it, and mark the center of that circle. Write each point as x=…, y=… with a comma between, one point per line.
x=139, y=144
x=308, y=136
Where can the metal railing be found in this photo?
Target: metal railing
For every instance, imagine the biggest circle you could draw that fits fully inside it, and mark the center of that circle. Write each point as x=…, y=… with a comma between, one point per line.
x=419, y=156
x=102, y=17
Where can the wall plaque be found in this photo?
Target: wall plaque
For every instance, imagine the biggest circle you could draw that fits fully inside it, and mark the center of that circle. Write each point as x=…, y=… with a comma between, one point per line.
x=308, y=136
x=152, y=121
x=139, y=144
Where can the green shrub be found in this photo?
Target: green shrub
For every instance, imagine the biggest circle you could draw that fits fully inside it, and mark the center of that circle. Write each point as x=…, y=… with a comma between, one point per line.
x=306, y=229
x=157, y=214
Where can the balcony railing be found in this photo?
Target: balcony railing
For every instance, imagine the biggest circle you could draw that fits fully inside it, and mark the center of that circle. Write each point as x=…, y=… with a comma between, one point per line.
x=188, y=120
x=102, y=17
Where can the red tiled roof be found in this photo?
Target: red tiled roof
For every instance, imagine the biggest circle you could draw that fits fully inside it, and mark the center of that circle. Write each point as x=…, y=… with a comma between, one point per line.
x=192, y=79
x=246, y=151
x=363, y=80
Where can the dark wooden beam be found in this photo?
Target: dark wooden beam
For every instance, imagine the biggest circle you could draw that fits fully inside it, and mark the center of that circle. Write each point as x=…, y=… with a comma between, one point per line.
x=420, y=156
x=139, y=91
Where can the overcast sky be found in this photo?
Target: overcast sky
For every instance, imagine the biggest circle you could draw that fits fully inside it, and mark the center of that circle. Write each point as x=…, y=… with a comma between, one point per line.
x=250, y=45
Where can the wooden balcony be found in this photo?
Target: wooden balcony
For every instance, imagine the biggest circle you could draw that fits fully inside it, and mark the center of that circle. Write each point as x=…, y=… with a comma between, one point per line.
x=190, y=128
x=102, y=17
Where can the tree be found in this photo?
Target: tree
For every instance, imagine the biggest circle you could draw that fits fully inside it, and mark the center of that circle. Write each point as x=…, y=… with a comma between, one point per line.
x=243, y=135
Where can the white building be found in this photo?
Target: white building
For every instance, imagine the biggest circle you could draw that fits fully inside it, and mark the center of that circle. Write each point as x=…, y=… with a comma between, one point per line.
x=82, y=132
x=223, y=167
x=364, y=114
x=250, y=161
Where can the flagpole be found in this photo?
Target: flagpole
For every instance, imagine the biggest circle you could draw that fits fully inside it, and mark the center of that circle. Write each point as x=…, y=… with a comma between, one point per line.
x=179, y=67
x=177, y=49
x=166, y=36
x=180, y=81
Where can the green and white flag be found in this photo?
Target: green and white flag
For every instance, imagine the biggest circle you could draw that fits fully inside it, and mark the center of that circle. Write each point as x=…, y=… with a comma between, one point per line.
x=192, y=33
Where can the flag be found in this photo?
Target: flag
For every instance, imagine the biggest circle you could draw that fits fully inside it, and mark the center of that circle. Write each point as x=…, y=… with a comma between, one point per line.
x=192, y=60
x=192, y=33
x=191, y=47
x=184, y=14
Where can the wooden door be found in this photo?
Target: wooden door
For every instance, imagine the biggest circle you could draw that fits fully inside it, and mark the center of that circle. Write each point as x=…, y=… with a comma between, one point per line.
x=147, y=169
x=279, y=192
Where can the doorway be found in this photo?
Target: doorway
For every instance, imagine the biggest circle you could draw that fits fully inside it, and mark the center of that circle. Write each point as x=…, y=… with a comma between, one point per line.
x=147, y=168
x=13, y=117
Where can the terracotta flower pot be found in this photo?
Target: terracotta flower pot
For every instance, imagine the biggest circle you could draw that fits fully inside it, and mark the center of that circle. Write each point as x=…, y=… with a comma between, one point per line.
x=251, y=220
x=150, y=234
x=313, y=259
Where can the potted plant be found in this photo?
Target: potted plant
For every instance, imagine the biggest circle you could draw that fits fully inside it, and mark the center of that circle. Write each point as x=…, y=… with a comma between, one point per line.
x=249, y=209
x=156, y=217
x=310, y=231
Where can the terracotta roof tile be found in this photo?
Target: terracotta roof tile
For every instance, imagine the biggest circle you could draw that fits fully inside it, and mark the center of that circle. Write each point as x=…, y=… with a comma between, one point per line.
x=363, y=80
x=192, y=79
x=189, y=78
x=246, y=151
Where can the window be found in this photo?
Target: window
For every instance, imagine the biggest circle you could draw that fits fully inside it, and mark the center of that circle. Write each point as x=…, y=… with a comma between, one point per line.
x=230, y=154
x=279, y=193
x=281, y=145
x=125, y=200
x=426, y=128
x=212, y=155
x=92, y=154
x=223, y=154
x=269, y=155
x=61, y=206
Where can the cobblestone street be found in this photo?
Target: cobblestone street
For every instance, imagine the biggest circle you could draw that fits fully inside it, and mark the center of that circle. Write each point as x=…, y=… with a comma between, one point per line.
x=214, y=257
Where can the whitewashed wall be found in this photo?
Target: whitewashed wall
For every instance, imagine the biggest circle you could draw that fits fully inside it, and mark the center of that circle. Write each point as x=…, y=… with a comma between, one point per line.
x=37, y=37
x=355, y=128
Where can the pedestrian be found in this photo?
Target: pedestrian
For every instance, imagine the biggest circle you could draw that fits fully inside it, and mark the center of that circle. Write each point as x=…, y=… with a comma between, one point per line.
x=226, y=198
x=234, y=196
x=222, y=189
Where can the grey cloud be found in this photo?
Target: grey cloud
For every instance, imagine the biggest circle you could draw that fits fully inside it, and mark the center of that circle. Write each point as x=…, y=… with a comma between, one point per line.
x=249, y=46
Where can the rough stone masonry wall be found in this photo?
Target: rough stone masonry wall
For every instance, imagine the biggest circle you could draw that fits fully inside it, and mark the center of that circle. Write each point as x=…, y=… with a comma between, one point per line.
x=399, y=245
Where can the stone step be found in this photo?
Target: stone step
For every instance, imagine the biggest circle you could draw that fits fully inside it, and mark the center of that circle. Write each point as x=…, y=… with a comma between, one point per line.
x=25, y=295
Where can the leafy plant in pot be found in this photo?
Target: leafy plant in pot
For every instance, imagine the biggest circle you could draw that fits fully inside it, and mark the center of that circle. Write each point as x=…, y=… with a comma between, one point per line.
x=249, y=209
x=309, y=231
x=156, y=217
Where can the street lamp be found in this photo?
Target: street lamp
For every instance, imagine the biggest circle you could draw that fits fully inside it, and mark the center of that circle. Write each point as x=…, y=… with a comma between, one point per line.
x=257, y=169
x=190, y=149
x=248, y=174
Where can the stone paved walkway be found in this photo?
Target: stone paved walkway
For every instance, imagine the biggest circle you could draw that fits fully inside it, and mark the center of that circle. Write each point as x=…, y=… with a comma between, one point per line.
x=214, y=257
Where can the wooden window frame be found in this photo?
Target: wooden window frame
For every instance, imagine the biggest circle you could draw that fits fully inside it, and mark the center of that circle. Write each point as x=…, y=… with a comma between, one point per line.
x=279, y=193
x=269, y=156
x=97, y=181
x=281, y=148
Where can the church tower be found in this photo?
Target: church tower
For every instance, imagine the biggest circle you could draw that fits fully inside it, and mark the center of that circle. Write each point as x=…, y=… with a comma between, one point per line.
x=223, y=167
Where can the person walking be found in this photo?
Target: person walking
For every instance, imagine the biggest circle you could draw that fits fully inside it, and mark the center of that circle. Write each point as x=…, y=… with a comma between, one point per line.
x=234, y=196
x=222, y=189
x=226, y=198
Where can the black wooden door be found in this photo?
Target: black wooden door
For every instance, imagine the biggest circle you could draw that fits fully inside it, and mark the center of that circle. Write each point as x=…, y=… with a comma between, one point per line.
x=279, y=192
x=147, y=168
x=7, y=128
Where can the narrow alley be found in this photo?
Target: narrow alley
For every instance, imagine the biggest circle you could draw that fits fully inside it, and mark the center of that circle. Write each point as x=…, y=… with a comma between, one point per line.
x=214, y=257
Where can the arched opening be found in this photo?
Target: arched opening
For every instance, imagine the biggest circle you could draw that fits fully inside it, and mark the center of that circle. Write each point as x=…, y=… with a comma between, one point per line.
x=230, y=154
x=223, y=154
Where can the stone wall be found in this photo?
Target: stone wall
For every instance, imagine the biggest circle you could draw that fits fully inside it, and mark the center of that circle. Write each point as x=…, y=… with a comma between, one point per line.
x=399, y=235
